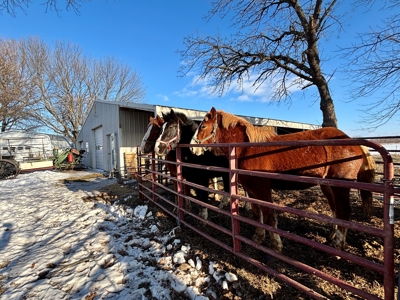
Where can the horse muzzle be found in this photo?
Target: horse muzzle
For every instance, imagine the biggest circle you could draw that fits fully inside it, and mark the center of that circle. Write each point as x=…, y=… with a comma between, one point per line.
x=197, y=150
x=161, y=150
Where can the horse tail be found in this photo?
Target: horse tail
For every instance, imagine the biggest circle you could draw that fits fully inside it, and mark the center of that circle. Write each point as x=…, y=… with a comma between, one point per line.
x=366, y=174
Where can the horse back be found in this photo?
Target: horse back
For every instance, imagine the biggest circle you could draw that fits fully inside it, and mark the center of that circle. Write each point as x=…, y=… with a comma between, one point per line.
x=316, y=161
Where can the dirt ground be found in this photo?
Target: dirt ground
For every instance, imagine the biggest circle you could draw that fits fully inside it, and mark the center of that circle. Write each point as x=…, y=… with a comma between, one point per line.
x=256, y=284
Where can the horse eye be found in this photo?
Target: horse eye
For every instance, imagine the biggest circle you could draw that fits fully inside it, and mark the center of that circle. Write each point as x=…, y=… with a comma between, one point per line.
x=203, y=126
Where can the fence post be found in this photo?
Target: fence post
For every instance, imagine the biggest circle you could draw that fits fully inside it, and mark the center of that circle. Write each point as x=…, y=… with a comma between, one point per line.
x=234, y=203
x=179, y=182
x=139, y=176
x=388, y=225
x=153, y=176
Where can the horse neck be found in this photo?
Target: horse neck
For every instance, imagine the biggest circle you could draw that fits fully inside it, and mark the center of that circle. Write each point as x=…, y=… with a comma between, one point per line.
x=236, y=134
x=153, y=136
x=243, y=132
x=187, y=132
x=171, y=155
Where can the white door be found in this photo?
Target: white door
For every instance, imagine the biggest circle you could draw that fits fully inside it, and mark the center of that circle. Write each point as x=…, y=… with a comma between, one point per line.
x=113, y=156
x=98, y=140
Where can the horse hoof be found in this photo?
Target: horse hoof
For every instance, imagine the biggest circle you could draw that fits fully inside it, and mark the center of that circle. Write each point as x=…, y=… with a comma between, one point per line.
x=257, y=239
x=203, y=213
x=339, y=245
x=339, y=239
x=225, y=201
x=201, y=223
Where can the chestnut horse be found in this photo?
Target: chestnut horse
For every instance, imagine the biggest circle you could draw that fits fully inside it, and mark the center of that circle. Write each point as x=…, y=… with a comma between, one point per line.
x=339, y=162
x=179, y=129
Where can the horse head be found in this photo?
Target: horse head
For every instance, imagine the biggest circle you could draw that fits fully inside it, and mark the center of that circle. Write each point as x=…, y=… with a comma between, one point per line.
x=170, y=134
x=206, y=132
x=152, y=134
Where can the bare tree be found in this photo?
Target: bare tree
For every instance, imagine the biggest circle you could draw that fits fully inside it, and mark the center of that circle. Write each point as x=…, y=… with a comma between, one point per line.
x=277, y=41
x=68, y=82
x=16, y=88
x=374, y=67
x=11, y=6
x=111, y=79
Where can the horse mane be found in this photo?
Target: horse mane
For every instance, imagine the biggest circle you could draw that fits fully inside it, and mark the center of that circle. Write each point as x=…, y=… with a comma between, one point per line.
x=254, y=133
x=185, y=120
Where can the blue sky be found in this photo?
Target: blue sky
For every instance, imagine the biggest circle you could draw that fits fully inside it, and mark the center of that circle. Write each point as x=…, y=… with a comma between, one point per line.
x=147, y=34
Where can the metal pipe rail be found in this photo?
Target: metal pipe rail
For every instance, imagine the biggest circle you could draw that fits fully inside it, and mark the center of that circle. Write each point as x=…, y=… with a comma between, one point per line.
x=386, y=188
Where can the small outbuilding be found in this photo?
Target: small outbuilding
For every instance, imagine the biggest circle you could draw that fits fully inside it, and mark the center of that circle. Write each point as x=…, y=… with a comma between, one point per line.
x=113, y=131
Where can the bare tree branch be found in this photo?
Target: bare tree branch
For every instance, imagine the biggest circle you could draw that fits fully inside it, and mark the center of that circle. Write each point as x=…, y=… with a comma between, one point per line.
x=16, y=88
x=12, y=6
x=374, y=70
x=68, y=82
x=277, y=40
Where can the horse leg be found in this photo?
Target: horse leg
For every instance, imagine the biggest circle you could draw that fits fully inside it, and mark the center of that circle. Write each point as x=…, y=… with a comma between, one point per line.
x=203, y=210
x=247, y=205
x=270, y=218
x=264, y=214
x=175, y=196
x=201, y=178
x=259, y=234
x=203, y=195
x=214, y=183
x=226, y=181
x=366, y=174
x=186, y=192
x=226, y=199
x=342, y=211
x=327, y=191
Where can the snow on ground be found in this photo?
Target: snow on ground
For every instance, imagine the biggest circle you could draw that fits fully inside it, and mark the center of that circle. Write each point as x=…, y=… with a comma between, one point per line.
x=391, y=146
x=53, y=245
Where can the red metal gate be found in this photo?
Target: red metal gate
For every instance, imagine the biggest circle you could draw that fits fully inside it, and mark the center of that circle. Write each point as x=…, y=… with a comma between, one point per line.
x=386, y=188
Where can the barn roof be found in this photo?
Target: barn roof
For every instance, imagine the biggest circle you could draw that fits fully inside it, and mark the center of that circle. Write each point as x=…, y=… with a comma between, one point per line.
x=198, y=115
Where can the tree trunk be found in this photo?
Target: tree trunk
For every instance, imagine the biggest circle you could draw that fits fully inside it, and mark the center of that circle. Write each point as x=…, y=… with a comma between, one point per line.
x=327, y=107
x=326, y=104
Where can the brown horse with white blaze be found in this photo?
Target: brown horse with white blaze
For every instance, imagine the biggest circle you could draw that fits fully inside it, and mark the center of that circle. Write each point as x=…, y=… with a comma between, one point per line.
x=339, y=162
x=153, y=132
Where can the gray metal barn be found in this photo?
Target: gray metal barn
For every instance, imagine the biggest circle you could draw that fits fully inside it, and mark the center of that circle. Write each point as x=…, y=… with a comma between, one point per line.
x=113, y=130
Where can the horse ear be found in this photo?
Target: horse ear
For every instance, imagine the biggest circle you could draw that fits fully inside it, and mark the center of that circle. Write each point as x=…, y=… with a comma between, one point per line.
x=213, y=112
x=163, y=115
x=176, y=118
x=173, y=115
x=159, y=120
x=151, y=119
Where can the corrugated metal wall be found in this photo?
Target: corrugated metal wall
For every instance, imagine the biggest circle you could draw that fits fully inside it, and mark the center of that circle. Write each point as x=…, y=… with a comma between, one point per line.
x=103, y=114
x=133, y=124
